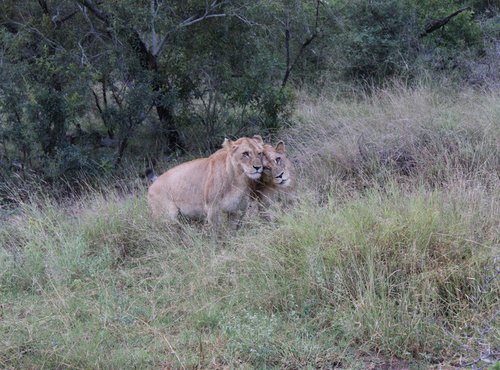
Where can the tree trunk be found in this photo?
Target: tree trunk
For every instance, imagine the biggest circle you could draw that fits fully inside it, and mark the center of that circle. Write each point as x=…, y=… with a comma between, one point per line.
x=149, y=62
x=121, y=149
x=171, y=134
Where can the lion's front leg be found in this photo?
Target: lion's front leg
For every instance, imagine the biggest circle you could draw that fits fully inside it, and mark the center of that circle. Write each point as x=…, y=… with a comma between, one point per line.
x=266, y=198
x=214, y=218
x=235, y=219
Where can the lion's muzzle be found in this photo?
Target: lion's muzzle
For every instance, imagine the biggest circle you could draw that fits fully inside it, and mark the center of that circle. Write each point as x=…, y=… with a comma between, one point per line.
x=280, y=180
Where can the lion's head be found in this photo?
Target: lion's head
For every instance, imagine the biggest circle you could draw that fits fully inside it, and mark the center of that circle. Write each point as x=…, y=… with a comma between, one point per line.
x=247, y=153
x=278, y=169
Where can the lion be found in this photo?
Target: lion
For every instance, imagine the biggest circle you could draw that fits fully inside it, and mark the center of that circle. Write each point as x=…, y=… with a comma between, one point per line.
x=209, y=188
x=278, y=179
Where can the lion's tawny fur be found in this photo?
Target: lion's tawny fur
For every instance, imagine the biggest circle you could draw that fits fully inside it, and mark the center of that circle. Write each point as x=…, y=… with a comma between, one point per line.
x=209, y=188
x=278, y=178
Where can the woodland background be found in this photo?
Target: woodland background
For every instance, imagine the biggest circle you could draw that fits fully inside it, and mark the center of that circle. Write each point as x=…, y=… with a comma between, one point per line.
x=88, y=84
x=390, y=111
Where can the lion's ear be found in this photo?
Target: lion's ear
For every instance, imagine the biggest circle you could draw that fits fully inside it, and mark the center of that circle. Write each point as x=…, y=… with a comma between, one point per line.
x=280, y=147
x=227, y=143
x=258, y=138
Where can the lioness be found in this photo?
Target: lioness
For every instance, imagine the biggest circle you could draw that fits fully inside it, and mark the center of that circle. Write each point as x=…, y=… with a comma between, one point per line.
x=278, y=178
x=207, y=188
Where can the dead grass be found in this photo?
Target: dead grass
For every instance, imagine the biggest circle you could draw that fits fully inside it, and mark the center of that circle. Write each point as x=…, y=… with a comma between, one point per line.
x=413, y=136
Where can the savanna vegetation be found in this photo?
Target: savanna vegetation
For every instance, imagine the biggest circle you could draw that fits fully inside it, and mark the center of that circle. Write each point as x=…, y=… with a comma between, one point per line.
x=389, y=258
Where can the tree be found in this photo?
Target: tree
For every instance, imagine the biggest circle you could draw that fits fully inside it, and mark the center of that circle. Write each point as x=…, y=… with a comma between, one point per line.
x=116, y=22
x=40, y=85
x=184, y=74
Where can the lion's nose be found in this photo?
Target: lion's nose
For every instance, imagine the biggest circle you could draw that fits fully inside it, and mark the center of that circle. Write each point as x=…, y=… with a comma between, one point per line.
x=258, y=168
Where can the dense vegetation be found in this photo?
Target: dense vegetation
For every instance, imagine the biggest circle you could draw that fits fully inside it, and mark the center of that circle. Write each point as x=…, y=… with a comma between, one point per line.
x=390, y=111
x=85, y=84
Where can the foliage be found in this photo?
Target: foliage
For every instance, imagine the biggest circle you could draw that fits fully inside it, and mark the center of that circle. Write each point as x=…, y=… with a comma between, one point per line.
x=102, y=79
x=378, y=38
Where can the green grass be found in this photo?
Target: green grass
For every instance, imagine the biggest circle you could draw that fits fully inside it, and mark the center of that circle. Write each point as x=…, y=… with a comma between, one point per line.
x=371, y=268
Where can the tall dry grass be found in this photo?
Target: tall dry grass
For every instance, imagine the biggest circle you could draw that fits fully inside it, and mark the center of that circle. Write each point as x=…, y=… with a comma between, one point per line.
x=383, y=261
x=417, y=135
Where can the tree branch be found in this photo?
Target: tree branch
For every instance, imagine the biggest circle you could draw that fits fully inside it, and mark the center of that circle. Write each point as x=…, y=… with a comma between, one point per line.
x=103, y=16
x=439, y=23
x=287, y=51
x=303, y=47
x=190, y=21
x=53, y=44
x=11, y=27
x=59, y=22
x=96, y=99
x=45, y=8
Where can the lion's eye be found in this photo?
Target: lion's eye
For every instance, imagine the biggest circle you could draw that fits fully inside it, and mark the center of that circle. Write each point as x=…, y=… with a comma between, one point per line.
x=246, y=154
x=278, y=160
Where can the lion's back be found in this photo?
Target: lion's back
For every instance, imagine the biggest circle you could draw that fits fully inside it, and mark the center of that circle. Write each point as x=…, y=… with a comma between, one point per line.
x=180, y=188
